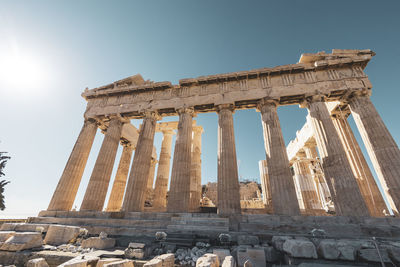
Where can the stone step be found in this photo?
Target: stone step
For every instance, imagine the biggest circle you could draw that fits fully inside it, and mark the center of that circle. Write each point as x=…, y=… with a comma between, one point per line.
x=103, y=222
x=23, y=227
x=196, y=228
x=201, y=221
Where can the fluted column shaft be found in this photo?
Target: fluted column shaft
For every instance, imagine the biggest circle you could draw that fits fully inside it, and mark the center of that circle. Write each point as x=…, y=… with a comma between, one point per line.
x=118, y=189
x=319, y=178
x=339, y=176
x=228, y=180
x=152, y=170
x=138, y=177
x=381, y=147
x=283, y=192
x=303, y=175
x=96, y=191
x=365, y=180
x=164, y=162
x=264, y=179
x=195, y=169
x=179, y=193
x=65, y=193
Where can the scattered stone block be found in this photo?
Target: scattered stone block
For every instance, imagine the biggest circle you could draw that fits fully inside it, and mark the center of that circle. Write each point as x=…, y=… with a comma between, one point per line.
x=102, y=262
x=22, y=241
x=61, y=234
x=81, y=261
x=168, y=260
x=277, y=241
x=160, y=236
x=221, y=253
x=248, y=240
x=328, y=249
x=123, y=263
x=208, y=260
x=300, y=248
x=40, y=262
x=134, y=253
x=4, y=235
x=372, y=255
x=98, y=243
x=153, y=263
x=347, y=250
x=136, y=245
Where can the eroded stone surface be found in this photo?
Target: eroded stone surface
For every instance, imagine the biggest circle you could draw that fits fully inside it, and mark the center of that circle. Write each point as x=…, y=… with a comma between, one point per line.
x=22, y=241
x=98, y=243
x=208, y=260
x=40, y=262
x=300, y=248
x=61, y=234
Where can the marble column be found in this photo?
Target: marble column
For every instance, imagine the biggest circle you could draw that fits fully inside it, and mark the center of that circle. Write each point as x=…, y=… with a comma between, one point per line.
x=96, y=190
x=319, y=178
x=65, y=193
x=264, y=179
x=195, y=170
x=118, y=189
x=307, y=188
x=164, y=162
x=381, y=147
x=152, y=171
x=228, y=180
x=138, y=177
x=339, y=176
x=365, y=180
x=283, y=192
x=179, y=193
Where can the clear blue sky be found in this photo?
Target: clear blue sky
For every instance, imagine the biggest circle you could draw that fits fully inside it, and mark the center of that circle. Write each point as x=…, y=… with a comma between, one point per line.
x=51, y=50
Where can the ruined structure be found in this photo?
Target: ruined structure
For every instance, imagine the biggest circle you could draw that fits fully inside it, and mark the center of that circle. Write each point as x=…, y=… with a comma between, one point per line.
x=321, y=82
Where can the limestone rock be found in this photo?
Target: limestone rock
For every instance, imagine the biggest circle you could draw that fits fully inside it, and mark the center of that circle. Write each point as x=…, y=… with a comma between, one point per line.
x=229, y=261
x=153, y=263
x=22, y=241
x=102, y=262
x=248, y=240
x=136, y=245
x=98, y=243
x=40, y=262
x=328, y=249
x=4, y=235
x=372, y=255
x=134, y=253
x=300, y=248
x=208, y=260
x=277, y=241
x=221, y=253
x=224, y=238
x=81, y=261
x=248, y=263
x=255, y=255
x=103, y=235
x=123, y=263
x=160, y=236
x=61, y=234
x=168, y=260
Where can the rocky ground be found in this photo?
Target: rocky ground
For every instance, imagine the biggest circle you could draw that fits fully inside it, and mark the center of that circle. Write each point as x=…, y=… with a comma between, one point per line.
x=36, y=245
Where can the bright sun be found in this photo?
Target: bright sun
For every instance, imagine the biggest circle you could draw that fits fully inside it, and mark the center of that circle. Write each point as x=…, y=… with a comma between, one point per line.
x=20, y=72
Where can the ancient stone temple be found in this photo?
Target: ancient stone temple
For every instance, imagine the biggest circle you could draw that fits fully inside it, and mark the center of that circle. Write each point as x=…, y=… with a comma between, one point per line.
x=321, y=172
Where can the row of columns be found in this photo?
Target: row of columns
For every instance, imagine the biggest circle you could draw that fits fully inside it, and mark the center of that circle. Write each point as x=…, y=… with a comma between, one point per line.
x=338, y=169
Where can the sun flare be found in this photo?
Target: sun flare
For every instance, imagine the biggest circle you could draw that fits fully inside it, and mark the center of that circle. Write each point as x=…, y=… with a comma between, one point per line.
x=21, y=72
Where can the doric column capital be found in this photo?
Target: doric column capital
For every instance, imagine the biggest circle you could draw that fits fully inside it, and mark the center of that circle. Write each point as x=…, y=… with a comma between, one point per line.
x=267, y=102
x=186, y=110
x=153, y=115
x=118, y=117
x=168, y=132
x=198, y=129
x=359, y=93
x=230, y=107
